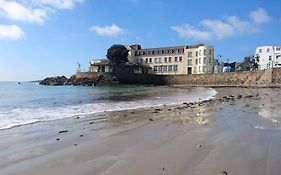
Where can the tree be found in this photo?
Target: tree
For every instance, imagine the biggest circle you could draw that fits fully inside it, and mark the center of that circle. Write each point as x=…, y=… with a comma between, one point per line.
x=117, y=54
x=250, y=63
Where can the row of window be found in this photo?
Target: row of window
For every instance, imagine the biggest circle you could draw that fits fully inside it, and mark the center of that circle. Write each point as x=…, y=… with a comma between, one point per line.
x=190, y=54
x=160, y=60
x=158, y=52
x=176, y=59
x=205, y=70
x=170, y=68
x=268, y=49
x=270, y=57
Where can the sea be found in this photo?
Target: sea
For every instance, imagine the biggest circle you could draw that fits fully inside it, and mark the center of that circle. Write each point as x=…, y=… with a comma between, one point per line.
x=28, y=102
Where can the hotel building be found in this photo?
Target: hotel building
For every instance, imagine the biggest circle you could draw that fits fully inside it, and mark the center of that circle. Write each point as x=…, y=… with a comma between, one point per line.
x=175, y=60
x=269, y=56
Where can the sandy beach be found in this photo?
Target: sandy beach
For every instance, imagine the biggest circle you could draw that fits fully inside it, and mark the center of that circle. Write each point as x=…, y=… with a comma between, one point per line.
x=237, y=133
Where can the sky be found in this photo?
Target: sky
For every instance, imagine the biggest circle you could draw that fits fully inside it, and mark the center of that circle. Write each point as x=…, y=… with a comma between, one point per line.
x=40, y=38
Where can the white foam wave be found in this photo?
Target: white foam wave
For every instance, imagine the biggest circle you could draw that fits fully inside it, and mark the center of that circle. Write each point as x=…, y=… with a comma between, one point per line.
x=22, y=116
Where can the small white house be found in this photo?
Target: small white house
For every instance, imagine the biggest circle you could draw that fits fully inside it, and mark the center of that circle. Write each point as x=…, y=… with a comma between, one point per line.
x=269, y=56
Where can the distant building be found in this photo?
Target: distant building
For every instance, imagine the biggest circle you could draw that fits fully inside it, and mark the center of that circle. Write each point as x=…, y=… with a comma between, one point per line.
x=193, y=59
x=218, y=66
x=269, y=56
x=107, y=67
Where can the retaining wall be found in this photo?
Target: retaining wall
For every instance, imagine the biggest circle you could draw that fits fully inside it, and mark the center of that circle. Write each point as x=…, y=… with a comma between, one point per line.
x=263, y=78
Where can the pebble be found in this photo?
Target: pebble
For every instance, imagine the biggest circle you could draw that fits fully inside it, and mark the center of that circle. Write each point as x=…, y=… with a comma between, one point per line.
x=63, y=131
x=224, y=172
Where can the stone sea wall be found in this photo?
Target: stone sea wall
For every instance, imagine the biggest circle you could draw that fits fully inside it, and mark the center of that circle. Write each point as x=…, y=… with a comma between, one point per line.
x=263, y=78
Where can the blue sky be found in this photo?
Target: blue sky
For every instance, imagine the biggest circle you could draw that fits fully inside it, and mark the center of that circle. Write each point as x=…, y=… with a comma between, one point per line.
x=40, y=38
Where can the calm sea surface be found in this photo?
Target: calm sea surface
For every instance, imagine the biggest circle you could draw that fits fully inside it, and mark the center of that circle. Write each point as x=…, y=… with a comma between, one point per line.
x=29, y=102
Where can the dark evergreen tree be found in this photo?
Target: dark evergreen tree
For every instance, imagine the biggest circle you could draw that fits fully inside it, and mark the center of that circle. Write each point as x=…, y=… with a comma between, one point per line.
x=117, y=54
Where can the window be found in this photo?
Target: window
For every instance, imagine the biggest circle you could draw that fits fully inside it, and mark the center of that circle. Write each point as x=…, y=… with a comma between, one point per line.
x=199, y=60
x=170, y=68
x=160, y=60
x=189, y=54
x=180, y=59
x=175, y=68
x=155, y=68
x=205, y=52
x=195, y=70
x=204, y=69
x=137, y=60
x=189, y=62
x=196, y=61
x=268, y=50
x=155, y=60
x=210, y=60
x=165, y=59
x=170, y=59
x=160, y=68
x=199, y=52
x=165, y=68
x=152, y=52
x=150, y=60
x=210, y=52
x=205, y=60
x=196, y=53
x=199, y=69
x=269, y=58
x=146, y=60
x=176, y=59
x=260, y=50
x=278, y=48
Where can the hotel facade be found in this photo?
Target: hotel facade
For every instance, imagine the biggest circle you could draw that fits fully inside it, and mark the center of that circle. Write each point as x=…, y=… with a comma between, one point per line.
x=269, y=56
x=175, y=60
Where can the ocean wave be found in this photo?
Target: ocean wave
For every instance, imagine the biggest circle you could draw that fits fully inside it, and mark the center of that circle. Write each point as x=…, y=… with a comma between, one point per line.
x=18, y=116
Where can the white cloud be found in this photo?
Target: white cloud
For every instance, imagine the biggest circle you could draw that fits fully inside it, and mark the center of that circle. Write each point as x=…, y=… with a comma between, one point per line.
x=12, y=32
x=15, y=11
x=260, y=16
x=59, y=4
x=188, y=31
x=229, y=26
x=107, y=30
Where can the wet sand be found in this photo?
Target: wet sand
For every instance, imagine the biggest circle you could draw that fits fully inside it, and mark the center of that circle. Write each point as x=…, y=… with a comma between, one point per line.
x=237, y=132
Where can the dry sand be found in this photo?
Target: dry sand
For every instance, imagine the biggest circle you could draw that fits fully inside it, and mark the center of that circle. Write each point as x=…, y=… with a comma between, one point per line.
x=236, y=133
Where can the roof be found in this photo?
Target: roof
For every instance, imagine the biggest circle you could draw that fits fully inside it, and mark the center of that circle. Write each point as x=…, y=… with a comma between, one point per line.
x=107, y=63
x=174, y=47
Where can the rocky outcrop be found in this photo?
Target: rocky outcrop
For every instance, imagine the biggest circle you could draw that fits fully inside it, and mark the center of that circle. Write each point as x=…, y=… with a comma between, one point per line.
x=85, y=81
x=54, y=81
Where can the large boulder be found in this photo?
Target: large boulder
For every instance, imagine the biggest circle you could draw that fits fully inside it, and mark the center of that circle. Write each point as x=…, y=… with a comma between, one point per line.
x=54, y=81
x=73, y=80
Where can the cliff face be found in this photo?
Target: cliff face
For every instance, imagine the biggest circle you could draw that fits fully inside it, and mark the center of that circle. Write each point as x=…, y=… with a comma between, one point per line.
x=77, y=81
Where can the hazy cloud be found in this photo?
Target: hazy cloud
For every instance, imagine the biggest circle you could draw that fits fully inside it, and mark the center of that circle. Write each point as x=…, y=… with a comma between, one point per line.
x=229, y=26
x=59, y=4
x=12, y=32
x=108, y=30
x=188, y=31
x=15, y=11
x=260, y=16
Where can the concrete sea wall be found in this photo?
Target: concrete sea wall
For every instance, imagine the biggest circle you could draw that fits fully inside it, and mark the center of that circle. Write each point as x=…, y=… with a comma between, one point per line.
x=263, y=78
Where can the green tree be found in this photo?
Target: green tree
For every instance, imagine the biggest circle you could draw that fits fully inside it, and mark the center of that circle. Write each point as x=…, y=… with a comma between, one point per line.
x=117, y=54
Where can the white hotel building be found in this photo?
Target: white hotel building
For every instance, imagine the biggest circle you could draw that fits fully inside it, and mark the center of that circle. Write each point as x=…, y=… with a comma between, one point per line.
x=269, y=56
x=190, y=59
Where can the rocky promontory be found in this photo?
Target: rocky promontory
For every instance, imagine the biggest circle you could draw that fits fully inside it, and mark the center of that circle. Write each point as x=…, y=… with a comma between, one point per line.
x=74, y=81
